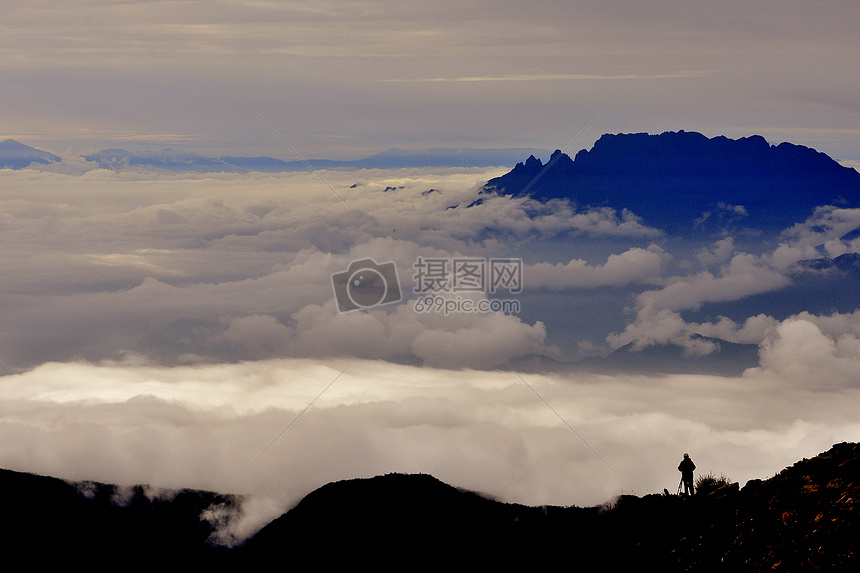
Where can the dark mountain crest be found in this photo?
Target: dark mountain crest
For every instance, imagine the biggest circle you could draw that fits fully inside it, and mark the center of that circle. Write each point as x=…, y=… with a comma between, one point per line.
x=805, y=518
x=50, y=520
x=674, y=178
x=533, y=165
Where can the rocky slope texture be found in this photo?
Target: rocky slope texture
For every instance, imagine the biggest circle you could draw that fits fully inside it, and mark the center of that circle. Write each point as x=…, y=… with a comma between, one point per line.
x=682, y=181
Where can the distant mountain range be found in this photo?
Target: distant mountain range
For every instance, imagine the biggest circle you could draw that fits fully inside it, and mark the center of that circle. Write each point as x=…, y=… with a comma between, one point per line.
x=727, y=359
x=14, y=155
x=682, y=182
x=172, y=160
x=805, y=518
x=849, y=262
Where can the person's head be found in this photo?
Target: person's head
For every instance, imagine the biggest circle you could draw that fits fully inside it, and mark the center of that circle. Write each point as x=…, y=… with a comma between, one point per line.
x=686, y=455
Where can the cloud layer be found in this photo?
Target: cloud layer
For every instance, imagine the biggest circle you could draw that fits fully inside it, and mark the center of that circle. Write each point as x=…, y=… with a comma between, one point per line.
x=165, y=329
x=223, y=267
x=202, y=426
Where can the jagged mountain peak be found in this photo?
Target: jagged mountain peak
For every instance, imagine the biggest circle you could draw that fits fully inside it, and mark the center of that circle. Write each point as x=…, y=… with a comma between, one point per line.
x=676, y=178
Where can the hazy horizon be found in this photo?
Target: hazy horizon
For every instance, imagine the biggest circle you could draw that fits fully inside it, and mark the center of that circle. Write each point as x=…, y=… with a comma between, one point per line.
x=343, y=80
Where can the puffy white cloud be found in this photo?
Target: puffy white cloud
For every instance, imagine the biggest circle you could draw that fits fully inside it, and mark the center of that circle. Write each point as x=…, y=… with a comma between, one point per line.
x=804, y=350
x=229, y=267
x=738, y=275
x=742, y=276
x=496, y=338
x=823, y=231
x=745, y=274
x=183, y=266
x=835, y=325
x=560, y=216
x=719, y=253
x=188, y=267
x=478, y=340
x=634, y=265
x=754, y=330
x=799, y=352
x=660, y=328
x=668, y=327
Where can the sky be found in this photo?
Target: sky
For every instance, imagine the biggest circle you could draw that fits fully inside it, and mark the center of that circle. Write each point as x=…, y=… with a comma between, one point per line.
x=342, y=80
x=183, y=329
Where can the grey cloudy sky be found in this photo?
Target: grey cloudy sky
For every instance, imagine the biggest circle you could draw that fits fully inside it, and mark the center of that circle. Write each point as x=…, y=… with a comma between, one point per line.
x=345, y=79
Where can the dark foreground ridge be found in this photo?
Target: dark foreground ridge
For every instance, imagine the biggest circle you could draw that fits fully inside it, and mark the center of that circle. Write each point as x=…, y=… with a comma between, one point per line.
x=50, y=522
x=806, y=518
x=683, y=181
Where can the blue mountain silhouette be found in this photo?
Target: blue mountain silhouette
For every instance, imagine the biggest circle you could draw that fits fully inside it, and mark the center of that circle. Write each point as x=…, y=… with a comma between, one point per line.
x=15, y=155
x=683, y=181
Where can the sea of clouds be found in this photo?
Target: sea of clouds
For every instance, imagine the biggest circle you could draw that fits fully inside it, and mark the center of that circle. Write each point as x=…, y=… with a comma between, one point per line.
x=181, y=331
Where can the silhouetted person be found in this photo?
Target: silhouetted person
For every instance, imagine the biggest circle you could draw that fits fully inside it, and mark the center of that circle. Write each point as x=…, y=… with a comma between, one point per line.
x=686, y=468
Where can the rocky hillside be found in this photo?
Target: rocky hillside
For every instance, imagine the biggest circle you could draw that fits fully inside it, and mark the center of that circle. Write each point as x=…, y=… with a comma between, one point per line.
x=805, y=518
